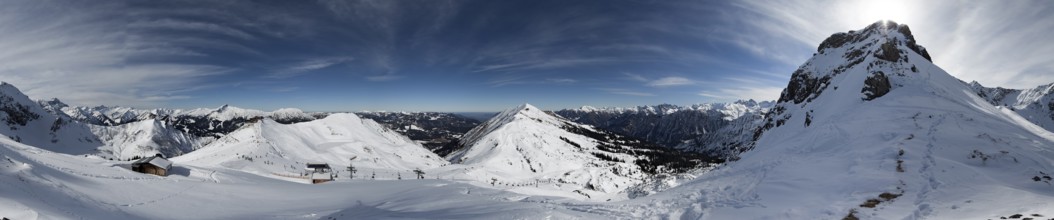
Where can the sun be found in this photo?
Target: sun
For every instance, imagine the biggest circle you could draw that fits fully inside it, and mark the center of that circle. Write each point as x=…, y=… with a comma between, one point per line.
x=890, y=10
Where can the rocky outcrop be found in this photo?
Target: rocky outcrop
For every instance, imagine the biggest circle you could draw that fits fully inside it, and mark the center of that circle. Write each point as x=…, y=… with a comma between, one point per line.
x=804, y=86
x=875, y=86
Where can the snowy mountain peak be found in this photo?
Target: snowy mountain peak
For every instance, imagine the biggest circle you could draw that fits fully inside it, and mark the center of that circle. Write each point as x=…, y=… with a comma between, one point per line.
x=525, y=144
x=522, y=112
x=872, y=112
x=587, y=108
x=10, y=90
x=879, y=58
x=525, y=109
x=890, y=33
x=30, y=122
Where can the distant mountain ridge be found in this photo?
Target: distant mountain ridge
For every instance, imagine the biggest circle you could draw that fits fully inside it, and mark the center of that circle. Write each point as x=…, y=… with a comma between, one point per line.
x=1035, y=104
x=31, y=123
x=437, y=131
x=526, y=143
x=716, y=128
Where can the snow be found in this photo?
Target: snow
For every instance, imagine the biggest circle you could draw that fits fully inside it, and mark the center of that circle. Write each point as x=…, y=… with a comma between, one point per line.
x=849, y=154
x=38, y=184
x=1034, y=104
x=526, y=146
x=731, y=111
x=143, y=138
x=268, y=147
x=942, y=150
x=29, y=122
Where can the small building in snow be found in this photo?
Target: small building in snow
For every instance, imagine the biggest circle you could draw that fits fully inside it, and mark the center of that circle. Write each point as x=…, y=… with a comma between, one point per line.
x=156, y=165
x=320, y=172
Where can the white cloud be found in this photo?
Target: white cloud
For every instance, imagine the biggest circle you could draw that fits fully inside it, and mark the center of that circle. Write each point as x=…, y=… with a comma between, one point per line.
x=384, y=78
x=635, y=77
x=998, y=43
x=307, y=66
x=561, y=80
x=82, y=56
x=671, y=81
x=172, y=24
x=625, y=92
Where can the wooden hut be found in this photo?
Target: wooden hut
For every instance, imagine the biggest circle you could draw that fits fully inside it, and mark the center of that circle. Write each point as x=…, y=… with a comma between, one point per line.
x=320, y=172
x=156, y=165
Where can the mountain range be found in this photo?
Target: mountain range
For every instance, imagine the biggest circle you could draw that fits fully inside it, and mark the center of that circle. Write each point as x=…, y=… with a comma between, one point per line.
x=868, y=127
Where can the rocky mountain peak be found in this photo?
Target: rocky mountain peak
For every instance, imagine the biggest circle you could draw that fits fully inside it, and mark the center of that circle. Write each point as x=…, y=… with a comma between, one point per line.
x=893, y=34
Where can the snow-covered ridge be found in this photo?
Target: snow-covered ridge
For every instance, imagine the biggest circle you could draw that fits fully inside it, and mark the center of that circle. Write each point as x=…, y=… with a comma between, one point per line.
x=31, y=123
x=527, y=144
x=524, y=111
x=270, y=147
x=716, y=128
x=870, y=128
x=115, y=115
x=1035, y=104
x=730, y=110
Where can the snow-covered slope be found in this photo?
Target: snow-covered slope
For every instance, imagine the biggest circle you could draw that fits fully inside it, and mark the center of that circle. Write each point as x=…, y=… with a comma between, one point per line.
x=267, y=147
x=110, y=116
x=26, y=121
x=870, y=128
x=39, y=184
x=128, y=132
x=1035, y=104
x=143, y=138
x=528, y=145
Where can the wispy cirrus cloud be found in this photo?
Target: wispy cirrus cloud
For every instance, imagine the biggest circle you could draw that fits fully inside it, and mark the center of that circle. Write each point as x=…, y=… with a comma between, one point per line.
x=634, y=77
x=384, y=78
x=996, y=43
x=626, y=92
x=526, y=79
x=671, y=81
x=80, y=53
x=169, y=24
x=309, y=65
x=561, y=80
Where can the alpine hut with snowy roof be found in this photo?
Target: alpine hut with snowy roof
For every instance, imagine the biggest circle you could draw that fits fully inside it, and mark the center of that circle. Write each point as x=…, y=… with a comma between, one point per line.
x=320, y=172
x=156, y=165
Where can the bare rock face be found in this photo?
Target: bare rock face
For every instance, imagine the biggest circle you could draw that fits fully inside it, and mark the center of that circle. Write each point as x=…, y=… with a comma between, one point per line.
x=889, y=52
x=903, y=29
x=803, y=87
x=882, y=48
x=876, y=86
x=841, y=39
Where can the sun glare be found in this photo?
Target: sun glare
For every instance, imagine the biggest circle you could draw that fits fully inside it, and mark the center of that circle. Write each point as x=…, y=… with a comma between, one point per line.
x=874, y=10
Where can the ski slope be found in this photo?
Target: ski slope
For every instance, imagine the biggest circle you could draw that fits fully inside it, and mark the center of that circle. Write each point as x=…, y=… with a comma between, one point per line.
x=267, y=147
x=39, y=184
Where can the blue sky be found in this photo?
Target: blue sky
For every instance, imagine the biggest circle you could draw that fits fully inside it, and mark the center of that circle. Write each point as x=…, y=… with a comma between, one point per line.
x=478, y=55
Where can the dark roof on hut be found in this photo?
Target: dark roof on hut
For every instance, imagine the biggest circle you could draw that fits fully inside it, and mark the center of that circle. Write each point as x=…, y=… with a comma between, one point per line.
x=317, y=165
